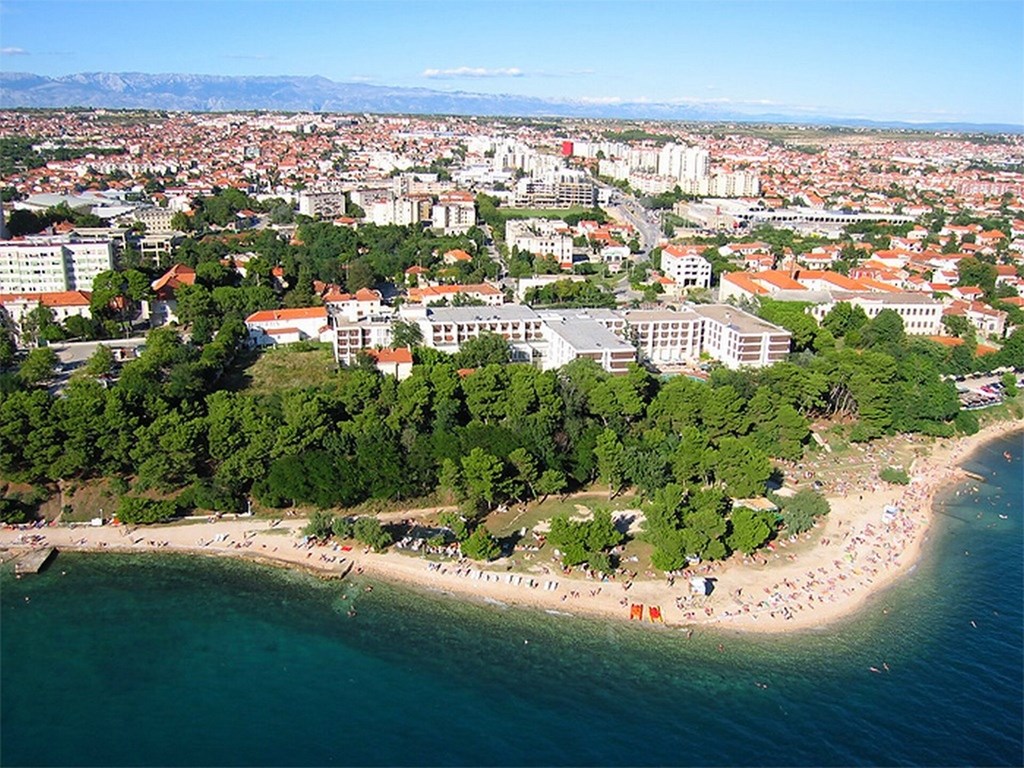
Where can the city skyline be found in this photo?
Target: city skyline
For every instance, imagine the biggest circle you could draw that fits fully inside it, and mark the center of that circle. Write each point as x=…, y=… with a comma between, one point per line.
x=892, y=61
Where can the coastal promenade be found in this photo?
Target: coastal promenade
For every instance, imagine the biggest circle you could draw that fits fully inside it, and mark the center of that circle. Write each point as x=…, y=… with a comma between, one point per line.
x=823, y=575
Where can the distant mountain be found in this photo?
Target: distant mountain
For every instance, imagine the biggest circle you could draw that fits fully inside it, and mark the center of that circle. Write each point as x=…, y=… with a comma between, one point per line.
x=209, y=93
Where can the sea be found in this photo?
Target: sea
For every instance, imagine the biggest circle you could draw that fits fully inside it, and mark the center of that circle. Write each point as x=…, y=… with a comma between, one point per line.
x=165, y=660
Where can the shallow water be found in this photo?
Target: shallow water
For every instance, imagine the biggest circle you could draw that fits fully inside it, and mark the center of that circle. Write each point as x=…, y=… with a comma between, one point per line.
x=172, y=660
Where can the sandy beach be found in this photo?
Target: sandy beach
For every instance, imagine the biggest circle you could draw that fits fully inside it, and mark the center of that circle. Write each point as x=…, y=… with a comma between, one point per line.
x=810, y=581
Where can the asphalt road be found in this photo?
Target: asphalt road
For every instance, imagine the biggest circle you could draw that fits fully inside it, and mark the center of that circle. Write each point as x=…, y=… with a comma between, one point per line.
x=74, y=353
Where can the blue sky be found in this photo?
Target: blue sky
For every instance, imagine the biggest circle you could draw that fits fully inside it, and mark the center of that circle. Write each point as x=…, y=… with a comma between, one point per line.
x=923, y=60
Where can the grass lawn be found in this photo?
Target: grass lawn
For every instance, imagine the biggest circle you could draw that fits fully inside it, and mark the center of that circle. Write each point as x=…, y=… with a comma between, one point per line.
x=283, y=368
x=541, y=213
x=504, y=523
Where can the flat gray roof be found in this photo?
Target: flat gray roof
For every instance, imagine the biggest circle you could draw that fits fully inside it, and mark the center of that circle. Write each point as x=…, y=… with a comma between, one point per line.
x=503, y=313
x=581, y=313
x=742, y=321
x=886, y=297
x=641, y=315
x=587, y=335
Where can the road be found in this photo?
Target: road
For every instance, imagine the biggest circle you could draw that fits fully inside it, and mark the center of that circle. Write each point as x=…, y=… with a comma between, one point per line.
x=647, y=223
x=74, y=353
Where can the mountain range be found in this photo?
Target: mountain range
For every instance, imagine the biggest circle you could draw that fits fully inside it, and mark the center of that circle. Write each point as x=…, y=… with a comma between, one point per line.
x=213, y=93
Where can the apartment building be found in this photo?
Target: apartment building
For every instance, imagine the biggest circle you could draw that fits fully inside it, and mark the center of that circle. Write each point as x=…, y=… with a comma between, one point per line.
x=575, y=335
x=665, y=337
x=155, y=219
x=686, y=266
x=349, y=337
x=739, y=339
x=322, y=204
x=541, y=237
x=52, y=264
x=454, y=213
x=921, y=314
x=446, y=328
x=489, y=294
x=559, y=188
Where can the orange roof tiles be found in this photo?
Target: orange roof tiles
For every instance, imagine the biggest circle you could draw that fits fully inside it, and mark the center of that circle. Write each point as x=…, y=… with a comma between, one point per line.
x=51, y=299
x=391, y=355
x=301, y=313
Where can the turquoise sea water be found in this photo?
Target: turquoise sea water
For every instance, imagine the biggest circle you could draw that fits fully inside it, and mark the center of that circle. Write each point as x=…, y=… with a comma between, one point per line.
x=164, y=660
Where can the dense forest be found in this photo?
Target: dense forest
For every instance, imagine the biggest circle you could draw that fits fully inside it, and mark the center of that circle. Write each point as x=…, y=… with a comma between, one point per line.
x=501, y=433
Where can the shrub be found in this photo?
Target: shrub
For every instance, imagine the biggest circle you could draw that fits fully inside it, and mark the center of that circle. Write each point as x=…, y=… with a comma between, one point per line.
x=135, y=510
x=896, y=475
x=369, y=531
x=480, y=545
x=966, y=423
x=801, y=510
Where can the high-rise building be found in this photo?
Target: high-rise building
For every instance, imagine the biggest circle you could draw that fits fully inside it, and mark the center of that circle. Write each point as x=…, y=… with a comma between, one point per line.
x=53, y=264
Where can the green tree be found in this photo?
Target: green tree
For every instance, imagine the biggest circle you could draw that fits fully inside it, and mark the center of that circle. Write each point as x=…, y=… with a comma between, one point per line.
x=611, y=461
x=748, y=530
x=38, y=366
x=551, y=481
x=480, y=545
x=481, y=474
x=485, y=349
x=802, y=509
x=101, y=362
x=406, y=334
x=1009, y=382
x=741, y=468
x=320, y=526
x=369, y=531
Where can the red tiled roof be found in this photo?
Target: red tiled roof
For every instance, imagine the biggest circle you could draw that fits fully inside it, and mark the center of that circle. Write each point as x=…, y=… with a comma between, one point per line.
x=51, y=299
x=389, y=355
x=301, y=313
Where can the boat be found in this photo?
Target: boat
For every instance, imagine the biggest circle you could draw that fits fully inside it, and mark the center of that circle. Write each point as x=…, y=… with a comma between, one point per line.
x=636, y=611
x=655, y=613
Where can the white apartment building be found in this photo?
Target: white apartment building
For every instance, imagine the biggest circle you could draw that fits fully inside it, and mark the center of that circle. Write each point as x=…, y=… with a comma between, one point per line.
x=574, y=335
x=350, y=337
x=400, y=210
x=686, y=267
x=541, y=237
x=53, y=264
x=681, y=162
x=552, y=338
x=454, y=213
x=921, y=314
x=155, y=219
x=735, y=184
x=427, y=295
x=447, y=328
x=663, y=336
x=353, y=307
x=739, y=339
x=323, y=204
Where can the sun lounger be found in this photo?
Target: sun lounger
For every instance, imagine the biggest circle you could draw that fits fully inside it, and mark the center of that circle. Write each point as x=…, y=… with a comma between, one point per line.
x=655, y=613
x=636, y=612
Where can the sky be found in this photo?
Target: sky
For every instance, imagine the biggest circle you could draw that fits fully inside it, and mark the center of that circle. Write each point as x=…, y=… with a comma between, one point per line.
x=918, y=60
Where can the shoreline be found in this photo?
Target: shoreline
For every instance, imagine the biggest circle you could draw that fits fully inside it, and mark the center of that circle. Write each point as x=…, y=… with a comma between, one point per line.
x=842, y=563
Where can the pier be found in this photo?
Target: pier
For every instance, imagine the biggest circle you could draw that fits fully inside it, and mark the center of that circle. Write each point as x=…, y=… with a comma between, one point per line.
x=34, y=561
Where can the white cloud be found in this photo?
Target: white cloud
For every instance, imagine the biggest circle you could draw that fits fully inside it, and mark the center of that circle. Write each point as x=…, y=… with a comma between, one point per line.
x=441, y=74
x=11, y=51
